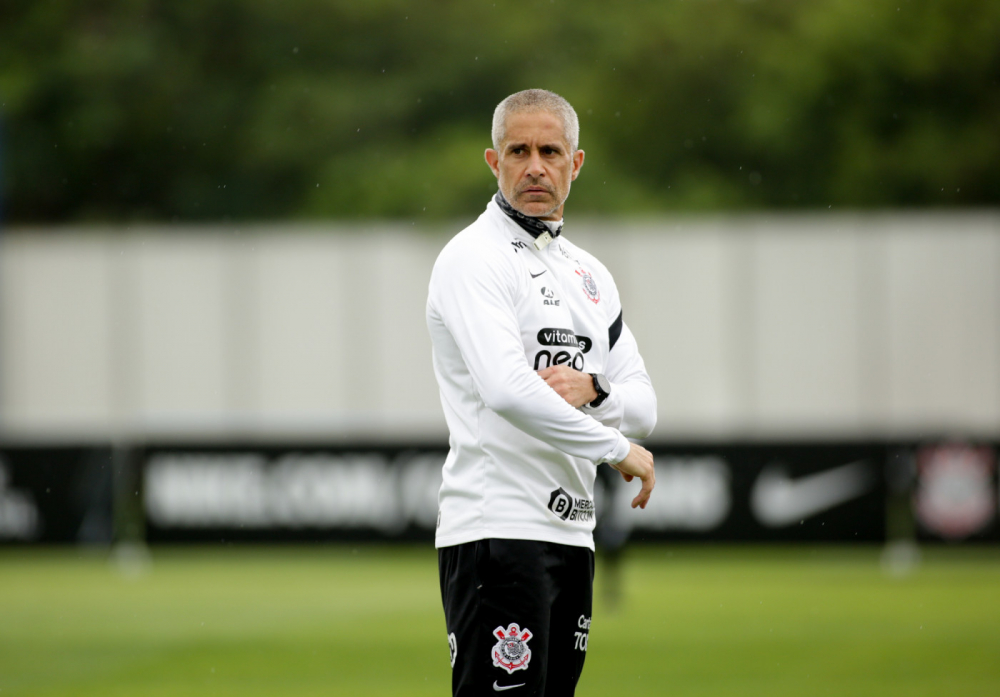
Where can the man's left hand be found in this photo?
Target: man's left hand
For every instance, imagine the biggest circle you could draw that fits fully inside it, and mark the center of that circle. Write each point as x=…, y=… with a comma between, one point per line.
x=575, y=387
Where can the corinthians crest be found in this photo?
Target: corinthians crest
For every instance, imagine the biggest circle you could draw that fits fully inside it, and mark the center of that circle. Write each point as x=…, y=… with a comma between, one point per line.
x=511, y=652
x=589, y=286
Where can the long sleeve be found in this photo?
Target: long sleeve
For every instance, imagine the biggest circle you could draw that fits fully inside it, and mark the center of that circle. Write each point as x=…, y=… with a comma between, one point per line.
x=631, y=406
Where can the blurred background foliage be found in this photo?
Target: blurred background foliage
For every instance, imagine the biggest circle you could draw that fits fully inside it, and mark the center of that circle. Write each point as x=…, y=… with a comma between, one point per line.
x=128, y=110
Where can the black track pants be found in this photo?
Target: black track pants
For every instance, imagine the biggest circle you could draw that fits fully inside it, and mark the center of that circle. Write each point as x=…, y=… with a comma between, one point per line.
x=518, y=616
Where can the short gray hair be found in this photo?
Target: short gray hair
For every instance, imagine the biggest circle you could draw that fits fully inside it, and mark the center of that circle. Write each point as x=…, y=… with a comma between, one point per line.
x=536, y=100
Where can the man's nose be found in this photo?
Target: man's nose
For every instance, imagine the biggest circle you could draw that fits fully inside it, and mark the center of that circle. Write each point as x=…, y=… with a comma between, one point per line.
x=535, y=168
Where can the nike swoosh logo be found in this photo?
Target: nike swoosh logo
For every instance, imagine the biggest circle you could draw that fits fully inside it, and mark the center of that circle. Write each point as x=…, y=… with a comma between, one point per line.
x=536, y=275
x=778, y=500
x=498, y=688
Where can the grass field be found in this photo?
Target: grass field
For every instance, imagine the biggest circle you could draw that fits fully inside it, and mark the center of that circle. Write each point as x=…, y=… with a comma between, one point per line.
x=366, y=621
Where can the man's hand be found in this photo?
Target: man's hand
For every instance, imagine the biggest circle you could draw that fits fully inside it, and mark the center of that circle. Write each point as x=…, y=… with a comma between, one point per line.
x=574, y=386
x=639, y=463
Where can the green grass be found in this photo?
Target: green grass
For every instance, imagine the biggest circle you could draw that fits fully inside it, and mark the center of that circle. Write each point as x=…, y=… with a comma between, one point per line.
x=367, y=621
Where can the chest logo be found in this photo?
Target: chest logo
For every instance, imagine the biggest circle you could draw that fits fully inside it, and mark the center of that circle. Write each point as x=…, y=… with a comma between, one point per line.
x=549, y=296
x=589, y=286
x=511, y=652
x=553, y=336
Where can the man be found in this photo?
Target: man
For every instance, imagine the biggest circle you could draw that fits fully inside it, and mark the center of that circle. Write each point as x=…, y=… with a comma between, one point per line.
x=541, y=382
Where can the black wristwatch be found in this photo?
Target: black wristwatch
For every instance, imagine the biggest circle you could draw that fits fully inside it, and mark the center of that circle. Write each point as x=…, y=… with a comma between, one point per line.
x=602, y=387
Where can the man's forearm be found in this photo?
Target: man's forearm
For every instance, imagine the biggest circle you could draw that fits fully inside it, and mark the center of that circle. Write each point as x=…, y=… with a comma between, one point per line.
x=630, y=408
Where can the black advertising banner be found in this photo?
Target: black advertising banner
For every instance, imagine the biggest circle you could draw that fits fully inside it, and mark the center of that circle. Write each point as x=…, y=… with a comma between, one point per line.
x=56, y=495
x=794, y=492
x=236, y=494
x=739, y=492
x=762, y=492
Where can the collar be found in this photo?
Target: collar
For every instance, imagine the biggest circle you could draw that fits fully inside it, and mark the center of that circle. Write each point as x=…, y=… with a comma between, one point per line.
x=541, y=230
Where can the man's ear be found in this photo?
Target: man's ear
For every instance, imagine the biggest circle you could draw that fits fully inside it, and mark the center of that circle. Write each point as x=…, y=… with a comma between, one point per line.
x=577, y=163
x=493, y=160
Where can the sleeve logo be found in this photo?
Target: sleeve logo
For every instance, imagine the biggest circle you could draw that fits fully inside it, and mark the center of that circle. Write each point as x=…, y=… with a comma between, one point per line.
x=511, y=652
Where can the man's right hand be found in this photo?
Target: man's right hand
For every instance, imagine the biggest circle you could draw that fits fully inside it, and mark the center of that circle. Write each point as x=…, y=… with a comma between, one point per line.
x=639, y=463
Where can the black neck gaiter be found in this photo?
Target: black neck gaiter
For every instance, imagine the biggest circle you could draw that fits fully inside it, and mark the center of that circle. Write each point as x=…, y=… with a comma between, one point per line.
x=533, y=226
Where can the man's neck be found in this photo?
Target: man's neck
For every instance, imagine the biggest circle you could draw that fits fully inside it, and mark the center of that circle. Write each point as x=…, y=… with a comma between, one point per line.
x=533, y=226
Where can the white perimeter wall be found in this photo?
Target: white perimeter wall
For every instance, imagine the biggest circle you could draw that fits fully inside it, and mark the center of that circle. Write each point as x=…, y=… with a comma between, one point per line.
x=751, y=327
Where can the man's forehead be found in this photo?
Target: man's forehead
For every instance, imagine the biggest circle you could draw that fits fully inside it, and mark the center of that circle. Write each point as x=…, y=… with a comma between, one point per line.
x=536, y=124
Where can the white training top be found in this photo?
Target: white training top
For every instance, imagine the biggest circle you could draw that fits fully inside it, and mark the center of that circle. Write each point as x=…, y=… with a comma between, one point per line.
x=522, y=460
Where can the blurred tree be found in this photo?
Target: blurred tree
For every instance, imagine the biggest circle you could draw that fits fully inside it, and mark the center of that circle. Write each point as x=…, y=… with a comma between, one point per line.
x=120, y=110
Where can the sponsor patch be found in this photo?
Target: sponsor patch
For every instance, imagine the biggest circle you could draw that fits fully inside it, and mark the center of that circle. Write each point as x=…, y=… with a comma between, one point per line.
x=554, y=336
x=452, y=648
x=511, y=652
x=569, y=508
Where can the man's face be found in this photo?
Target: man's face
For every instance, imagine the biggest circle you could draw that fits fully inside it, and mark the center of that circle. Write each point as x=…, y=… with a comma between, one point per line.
x=534, y=165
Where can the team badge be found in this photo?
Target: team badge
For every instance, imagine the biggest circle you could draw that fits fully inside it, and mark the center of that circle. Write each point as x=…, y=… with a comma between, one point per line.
x=954, y=496
x=511, y=652
x=589, y=286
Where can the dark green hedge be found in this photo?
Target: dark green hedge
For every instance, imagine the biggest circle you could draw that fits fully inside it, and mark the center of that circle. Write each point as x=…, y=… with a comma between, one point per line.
x=261, y=109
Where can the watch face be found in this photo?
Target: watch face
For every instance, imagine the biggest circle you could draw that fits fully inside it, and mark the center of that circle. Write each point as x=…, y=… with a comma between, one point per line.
x=602, y=384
